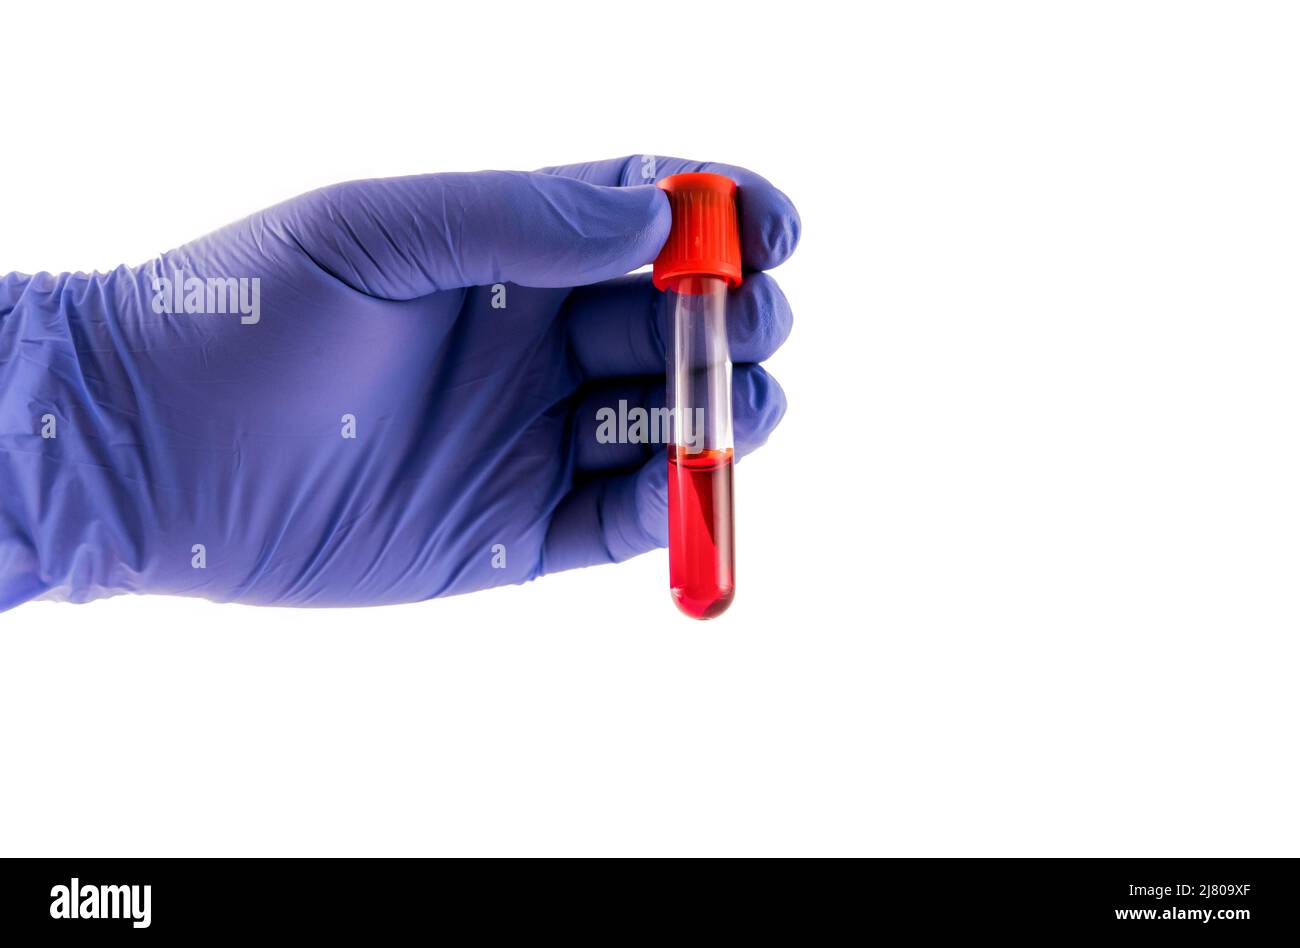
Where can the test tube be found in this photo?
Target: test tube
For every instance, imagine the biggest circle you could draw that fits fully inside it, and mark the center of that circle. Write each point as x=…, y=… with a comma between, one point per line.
x=698, y=264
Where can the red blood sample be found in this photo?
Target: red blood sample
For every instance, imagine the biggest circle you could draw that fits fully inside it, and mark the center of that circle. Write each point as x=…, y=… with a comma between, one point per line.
x=701, y=547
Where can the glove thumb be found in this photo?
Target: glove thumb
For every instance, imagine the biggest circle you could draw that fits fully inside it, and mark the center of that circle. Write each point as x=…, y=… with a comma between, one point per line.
x=401, y=238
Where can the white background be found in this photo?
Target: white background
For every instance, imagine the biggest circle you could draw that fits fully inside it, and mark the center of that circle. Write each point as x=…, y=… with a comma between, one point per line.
x=1018, y=574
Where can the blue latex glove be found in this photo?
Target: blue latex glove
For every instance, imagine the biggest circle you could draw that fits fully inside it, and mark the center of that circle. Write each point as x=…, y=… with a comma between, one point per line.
x=209, y=455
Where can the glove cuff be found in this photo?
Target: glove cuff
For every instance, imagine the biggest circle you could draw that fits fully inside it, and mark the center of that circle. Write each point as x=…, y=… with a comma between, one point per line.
x=68, y=444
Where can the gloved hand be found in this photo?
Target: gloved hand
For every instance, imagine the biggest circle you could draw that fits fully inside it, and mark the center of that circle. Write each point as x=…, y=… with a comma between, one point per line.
x=381, y=391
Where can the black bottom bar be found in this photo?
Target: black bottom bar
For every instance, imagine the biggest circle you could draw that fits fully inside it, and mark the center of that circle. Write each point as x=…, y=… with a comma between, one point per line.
x=1222, y=899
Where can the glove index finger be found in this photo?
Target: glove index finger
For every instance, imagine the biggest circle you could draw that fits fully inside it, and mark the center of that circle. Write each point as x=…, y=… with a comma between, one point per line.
x=769, y=222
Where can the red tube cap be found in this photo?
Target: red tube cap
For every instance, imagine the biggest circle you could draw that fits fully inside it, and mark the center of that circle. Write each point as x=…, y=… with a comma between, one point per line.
x=705, y=236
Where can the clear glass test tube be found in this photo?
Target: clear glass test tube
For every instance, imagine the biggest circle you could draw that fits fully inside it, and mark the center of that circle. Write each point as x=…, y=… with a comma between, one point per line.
x=701, y=532
x=698, y=264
